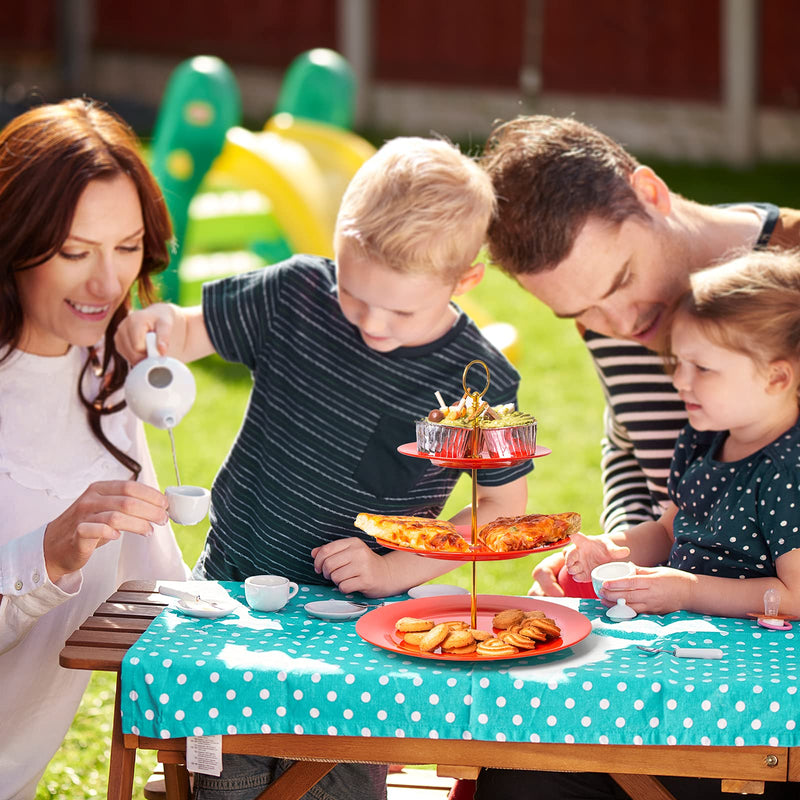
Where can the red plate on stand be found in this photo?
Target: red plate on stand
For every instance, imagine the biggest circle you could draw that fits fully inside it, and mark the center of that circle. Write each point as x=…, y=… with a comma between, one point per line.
x=378, y=627
x=410, y=449
x=475, y=555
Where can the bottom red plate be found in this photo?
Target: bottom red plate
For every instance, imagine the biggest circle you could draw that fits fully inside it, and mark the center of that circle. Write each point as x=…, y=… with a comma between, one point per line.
x=378, y=627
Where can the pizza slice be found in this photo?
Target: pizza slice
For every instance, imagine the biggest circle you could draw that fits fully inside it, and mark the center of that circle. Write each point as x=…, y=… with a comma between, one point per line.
x=526, y=532
x=419, y=533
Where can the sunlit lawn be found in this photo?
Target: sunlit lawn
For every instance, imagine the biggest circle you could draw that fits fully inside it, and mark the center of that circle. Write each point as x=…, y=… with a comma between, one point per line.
x=559, y=386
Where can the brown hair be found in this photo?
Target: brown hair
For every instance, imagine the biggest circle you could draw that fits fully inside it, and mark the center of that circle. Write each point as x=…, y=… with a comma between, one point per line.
x=418, y=206
x=749, y=304
x=48, y=156
x=550, y=175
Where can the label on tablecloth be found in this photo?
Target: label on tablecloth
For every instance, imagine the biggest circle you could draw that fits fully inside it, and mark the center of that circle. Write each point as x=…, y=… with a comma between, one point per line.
x=288, y=672
x=204, y=754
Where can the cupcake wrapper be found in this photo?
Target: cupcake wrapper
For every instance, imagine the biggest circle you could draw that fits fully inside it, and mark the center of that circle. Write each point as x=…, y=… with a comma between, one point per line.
x=516, y=442
x=446, y=441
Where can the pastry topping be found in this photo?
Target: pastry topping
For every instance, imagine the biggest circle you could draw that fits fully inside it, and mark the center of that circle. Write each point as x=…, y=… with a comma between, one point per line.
x=526, y=532
x=419, y=533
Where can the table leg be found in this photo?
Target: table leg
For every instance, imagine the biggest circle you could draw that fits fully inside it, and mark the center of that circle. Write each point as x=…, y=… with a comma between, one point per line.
x=297, y=780
x=176, y=778
x=642, y=787
x=122, y=761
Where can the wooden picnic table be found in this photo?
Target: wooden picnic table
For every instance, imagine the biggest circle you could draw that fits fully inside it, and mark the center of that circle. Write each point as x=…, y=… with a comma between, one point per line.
x=103, y=640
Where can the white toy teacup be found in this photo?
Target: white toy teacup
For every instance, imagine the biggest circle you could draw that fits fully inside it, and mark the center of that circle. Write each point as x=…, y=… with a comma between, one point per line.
x=269, y=592
x=187, y=505
x=610, y=570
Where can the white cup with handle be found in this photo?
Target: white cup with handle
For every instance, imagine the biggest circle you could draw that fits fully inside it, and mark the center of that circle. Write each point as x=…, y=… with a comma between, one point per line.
x=269, y=592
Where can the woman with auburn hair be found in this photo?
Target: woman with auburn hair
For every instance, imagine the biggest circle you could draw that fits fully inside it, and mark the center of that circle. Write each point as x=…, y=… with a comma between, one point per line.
x=81, y=221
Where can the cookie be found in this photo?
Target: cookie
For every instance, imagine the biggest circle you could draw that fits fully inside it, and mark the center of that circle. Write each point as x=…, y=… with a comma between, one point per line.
x=455, y=639
x=517, y=640
x=479, y=635
x=546, y=625
x=495, y=647
x=461, y=651
x=507, y=617
x=433, y=638
x=405, y=624
x=535, y=614
x=413, y=637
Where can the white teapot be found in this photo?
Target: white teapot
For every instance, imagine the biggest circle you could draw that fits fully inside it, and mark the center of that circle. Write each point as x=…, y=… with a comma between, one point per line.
x=159, y=389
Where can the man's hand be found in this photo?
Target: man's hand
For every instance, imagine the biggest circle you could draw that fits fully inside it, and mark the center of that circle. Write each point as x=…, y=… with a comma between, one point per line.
x=587, y=552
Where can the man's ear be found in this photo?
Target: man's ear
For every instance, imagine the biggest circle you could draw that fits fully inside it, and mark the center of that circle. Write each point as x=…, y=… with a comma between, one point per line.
x=470, y=279
x=651, y=190
x=781, y=375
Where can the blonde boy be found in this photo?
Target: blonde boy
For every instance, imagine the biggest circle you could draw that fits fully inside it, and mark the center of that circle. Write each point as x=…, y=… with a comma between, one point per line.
x=344, y=358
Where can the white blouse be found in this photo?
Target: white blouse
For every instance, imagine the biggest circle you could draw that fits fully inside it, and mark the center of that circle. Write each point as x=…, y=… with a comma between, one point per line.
x=48, y=457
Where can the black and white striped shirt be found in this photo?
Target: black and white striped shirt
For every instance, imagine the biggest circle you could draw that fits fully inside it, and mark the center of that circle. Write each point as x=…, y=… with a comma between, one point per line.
x=318, y=443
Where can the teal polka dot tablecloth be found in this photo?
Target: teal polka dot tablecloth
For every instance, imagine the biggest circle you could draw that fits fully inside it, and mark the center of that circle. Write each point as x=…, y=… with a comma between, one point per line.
x=288, y=672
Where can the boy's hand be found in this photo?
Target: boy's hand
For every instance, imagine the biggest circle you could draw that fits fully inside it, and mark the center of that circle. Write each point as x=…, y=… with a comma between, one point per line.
x=352, y=566
x=653, y=590
x=159, y=317
x=588, y=552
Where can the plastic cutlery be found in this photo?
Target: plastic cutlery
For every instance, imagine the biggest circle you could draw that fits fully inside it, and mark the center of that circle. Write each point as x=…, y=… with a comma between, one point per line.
x=686, y=652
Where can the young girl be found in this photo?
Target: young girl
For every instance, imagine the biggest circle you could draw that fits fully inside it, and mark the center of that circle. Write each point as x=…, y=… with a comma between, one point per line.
x=731, y=530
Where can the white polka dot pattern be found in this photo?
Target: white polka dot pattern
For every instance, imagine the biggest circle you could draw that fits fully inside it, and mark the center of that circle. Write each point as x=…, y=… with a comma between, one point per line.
x=291, y=673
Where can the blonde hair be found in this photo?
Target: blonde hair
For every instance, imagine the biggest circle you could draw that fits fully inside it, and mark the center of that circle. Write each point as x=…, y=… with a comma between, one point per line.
x=417, y=206
x=749, y=304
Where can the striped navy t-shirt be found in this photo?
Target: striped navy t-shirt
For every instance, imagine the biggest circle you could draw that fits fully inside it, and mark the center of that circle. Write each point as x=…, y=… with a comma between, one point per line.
x=318, y=443
x=644, y=413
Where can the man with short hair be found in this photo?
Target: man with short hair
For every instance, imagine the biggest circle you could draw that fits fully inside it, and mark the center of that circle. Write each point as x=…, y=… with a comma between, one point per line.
x=601, y=239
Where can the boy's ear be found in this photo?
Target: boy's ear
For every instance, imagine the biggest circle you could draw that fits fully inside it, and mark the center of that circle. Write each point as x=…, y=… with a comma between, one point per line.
x=651, y=190
x=470, y=279
x=781, y=375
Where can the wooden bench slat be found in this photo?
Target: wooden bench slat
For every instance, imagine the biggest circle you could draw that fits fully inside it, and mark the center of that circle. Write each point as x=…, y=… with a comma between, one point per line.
x=130, y=624
x=103, y=638
x=82, y=657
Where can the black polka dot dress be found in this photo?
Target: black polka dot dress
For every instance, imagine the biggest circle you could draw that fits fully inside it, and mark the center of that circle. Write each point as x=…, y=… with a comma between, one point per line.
x=736, y=518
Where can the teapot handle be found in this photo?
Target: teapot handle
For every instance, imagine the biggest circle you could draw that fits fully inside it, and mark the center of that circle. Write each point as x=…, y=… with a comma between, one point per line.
x=151, y=344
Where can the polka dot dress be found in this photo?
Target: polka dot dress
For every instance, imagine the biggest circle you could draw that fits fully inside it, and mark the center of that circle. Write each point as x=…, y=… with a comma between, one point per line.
x=287, y=672
x=736, y=518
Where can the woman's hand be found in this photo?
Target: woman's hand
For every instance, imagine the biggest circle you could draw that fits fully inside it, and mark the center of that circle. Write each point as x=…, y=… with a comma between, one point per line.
x=99, y=515
x=653, y=590
x=589, y=552
x=352, y=566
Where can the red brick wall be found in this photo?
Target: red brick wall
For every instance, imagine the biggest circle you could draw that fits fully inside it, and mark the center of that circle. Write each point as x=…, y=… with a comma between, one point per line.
x=646, y=48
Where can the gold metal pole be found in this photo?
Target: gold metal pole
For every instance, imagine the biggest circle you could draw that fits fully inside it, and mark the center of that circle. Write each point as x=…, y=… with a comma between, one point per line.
x=473, y=609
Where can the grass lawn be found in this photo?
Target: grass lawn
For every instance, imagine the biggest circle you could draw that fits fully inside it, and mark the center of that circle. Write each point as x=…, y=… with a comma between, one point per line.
x=558, y=385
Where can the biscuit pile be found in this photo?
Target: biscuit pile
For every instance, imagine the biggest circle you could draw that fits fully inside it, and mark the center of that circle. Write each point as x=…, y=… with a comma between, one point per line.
x=516, y=630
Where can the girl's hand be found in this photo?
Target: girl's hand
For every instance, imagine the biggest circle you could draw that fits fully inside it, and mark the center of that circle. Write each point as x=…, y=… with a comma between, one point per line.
x=352, y=566
x=653, y=590
x=588, y=552
x=100, y=515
